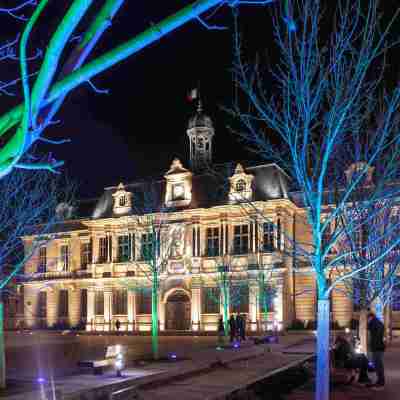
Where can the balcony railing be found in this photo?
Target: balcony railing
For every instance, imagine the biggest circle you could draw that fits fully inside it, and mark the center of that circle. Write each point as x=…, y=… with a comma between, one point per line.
x=47, y=276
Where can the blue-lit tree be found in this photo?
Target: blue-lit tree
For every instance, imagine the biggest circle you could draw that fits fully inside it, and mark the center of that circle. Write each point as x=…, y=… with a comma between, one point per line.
x=29, y=202
x=58, y=75
x=323, y=118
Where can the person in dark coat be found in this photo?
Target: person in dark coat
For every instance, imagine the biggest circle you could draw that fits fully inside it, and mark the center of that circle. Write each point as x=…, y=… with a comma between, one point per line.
x=377, y=347
x=241, y=322
x=232, y=327
x=344, y=356
x=117, y=325
x=221, y=331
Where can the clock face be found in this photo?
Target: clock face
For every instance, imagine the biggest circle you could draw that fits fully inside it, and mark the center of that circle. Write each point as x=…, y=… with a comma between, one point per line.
x=178, y=191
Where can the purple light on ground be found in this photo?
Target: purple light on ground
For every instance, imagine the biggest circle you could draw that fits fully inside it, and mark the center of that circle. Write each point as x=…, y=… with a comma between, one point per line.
x=172, y=356
x=236, y=345
x=41, y=380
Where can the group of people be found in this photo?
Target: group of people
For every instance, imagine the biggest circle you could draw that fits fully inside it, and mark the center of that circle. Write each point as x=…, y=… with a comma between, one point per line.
x=237, y=327
x=345, y=356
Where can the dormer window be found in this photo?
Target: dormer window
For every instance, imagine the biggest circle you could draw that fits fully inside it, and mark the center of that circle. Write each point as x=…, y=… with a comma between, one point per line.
x=241, y=189
x=122, y=200
x=179, y=185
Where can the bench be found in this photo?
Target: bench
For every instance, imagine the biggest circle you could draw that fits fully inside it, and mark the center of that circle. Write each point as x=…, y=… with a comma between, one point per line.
x=99, y=364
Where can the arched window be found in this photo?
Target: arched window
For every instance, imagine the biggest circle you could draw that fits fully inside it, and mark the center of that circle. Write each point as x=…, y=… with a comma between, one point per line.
x=240, y=185
x=122, y=201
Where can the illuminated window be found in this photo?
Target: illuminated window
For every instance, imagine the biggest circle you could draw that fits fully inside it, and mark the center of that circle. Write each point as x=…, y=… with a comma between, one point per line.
x=143, y=301
x=99, y=303
x=86, y=254
x=212, y=242
x=120, y=302
x=123, y=248
x=64, y=257
x=103, y=250
x=241, y=239
x=42, y=259
x=239, y=298
x=268, y=237
x=63, y=304
x=147, y=246
x=178, y=192
x=122, y=201
x=210, y=299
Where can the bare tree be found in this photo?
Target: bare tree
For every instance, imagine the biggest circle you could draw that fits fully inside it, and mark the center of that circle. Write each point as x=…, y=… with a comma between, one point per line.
x=58, y=75
x=319, y=122
x=28, y=207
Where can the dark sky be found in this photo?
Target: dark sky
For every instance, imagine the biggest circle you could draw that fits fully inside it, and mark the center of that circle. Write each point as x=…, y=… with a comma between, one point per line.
x=140, y=126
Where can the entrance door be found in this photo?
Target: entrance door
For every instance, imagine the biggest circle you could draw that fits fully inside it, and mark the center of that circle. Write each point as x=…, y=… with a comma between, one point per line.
x=178, y=311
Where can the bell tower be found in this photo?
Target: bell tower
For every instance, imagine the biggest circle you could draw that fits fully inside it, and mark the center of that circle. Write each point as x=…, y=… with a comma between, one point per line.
x=200, y=132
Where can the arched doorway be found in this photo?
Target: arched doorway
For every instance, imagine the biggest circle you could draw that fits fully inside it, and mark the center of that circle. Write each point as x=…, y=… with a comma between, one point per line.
x=178, y=311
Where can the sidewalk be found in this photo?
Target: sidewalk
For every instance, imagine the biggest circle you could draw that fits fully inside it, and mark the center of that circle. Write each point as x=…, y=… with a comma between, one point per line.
x=158, y=374
x=360, y=392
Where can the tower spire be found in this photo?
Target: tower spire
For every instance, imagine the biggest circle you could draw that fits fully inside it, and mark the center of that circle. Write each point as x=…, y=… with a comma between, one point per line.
x=200, y=132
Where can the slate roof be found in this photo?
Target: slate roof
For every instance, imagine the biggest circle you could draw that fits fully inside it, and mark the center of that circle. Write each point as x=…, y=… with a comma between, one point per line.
x=208, y=189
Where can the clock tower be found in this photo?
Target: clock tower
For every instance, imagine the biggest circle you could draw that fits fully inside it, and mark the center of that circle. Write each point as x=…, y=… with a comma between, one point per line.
x=200, y=132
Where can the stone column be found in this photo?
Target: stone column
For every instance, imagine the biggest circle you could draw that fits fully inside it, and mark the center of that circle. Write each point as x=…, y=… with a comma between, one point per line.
x=52, y=306
x=278, y=306
x=196, y=306
x=161, y=312
x=74, y=306
x=90, y=325
x=253, y=304
x=131, y=310
x=95, y=249
x=107, y=308
x=31, y=305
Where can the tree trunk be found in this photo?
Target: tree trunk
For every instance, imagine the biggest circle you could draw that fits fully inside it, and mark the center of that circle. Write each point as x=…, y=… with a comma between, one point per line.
x=2, y=348
x=388, y=324
x=226, y=310
x=322, y=377
x=362, y=330
x=379, y=310
x=154, y=318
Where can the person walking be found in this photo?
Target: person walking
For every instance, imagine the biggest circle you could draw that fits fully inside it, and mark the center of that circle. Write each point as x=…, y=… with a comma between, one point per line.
x=242, y=327
x=232, y=327
x=117, y=325
x=221, y=332
x=377, y=347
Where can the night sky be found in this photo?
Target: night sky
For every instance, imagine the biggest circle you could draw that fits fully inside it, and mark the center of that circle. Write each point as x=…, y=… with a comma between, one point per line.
x=140, y=126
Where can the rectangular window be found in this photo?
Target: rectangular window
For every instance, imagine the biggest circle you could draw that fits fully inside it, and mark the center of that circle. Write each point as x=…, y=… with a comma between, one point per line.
x=86, y=254
x=42, y=259
x=268, y=237
x=103, y=250
x=241, y=239
x=99, y=303
x=42, y=305
x=143, y=301
x=64, y=257
x=123, y=248
x=210, y=300
x=239, y=298
x=147, y=246
x=63, y=304
x=120, y=302
x=212, y=235
x=266, y=299
x=83, y=304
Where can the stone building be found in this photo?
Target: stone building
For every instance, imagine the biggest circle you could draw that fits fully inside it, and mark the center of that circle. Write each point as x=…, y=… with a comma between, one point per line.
x=238, y=218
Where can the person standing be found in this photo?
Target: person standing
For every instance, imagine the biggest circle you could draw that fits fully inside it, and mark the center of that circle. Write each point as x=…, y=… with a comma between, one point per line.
x=232, y=327
x=221, y=332
x=377, y=347
x=243, y=327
